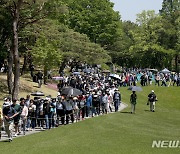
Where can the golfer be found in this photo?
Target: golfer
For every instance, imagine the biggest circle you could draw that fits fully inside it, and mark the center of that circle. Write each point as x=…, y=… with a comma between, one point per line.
x=152, y=100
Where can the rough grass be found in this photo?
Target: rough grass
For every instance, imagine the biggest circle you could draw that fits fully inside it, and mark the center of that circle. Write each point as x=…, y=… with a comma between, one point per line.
x=113, y=133
x=26, y=87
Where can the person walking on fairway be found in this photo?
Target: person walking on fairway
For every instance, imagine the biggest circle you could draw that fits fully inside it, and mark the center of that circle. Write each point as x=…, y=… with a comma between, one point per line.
x=9, y=113
x=152, y=100
x=133, y=99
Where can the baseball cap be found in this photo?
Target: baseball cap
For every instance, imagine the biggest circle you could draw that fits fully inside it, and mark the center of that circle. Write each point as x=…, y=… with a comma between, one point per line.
x=152, y=91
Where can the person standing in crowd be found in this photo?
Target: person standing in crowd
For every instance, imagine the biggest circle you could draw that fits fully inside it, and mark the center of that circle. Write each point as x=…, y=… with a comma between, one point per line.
x=32, y=114
x=164, y=81
x=24, y=114
x=133, y=102
x=157, y=79
x=104, y=102
x=60, y=110
x=116, y=99
x=76, y=108
x=88, y=103
x=142, y=80
x=69, y=109
x=39, y=78
x=52, y=112
x=110, y=102
x=41, y=114
x=175, y=77
x=152, y=100
x=95, y=103
x=18, y=109
x=27, y=101
x=82, y=101
x=9, y=113
x=46, y=106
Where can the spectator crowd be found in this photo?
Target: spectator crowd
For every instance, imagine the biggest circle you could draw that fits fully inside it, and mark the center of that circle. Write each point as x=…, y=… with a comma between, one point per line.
x=99, y=94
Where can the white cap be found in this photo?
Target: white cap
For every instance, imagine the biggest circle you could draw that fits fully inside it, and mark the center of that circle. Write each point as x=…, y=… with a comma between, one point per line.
x=75, y=98
x=152, y=91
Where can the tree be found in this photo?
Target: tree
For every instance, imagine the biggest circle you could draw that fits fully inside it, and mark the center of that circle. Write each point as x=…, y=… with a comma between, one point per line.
x=96, y=19
x=21, y=13
x=69, y=44
x=144, y=17
x=150, y=48
x=171, y=11
x=46, y=55
x=119, y=50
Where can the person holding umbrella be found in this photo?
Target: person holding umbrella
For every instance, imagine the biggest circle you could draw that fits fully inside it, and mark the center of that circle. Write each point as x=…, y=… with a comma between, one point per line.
x=133, y=102
x=69, y=109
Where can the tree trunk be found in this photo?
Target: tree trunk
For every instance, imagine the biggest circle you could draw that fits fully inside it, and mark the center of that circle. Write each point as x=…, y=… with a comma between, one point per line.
x=45, y=75
x=63, y=65
x=24, y=65
x=10, y=71
x=15, y=50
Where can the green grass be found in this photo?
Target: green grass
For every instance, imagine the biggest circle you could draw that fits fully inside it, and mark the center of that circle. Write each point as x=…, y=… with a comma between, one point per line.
x=113, y=133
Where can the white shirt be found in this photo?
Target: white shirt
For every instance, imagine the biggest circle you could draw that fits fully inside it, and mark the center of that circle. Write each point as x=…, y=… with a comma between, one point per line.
x=24, y=111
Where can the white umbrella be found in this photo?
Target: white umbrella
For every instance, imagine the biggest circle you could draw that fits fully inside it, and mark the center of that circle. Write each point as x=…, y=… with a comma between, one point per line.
x=37, y=93
x=58, y=78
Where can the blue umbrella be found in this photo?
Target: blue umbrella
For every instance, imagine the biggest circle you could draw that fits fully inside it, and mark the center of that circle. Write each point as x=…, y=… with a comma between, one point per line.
x=76, y=73
x=135, y=88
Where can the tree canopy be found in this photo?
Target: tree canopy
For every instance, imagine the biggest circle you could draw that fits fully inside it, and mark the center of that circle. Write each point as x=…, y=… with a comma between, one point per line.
x=53, y=32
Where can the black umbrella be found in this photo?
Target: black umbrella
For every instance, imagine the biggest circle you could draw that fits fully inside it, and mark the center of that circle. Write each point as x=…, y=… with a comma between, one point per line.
x=70, y=91
x=115, y=76
x=37, y=93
